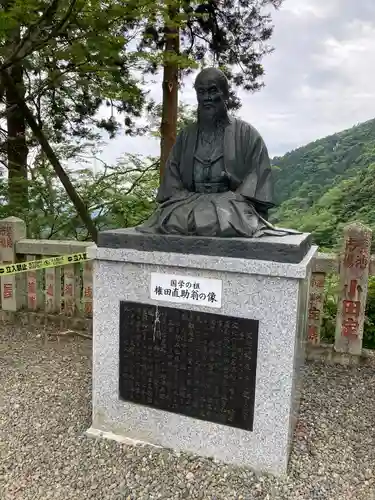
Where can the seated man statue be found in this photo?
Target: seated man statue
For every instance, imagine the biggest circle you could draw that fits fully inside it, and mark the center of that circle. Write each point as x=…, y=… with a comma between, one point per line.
x=217, y=180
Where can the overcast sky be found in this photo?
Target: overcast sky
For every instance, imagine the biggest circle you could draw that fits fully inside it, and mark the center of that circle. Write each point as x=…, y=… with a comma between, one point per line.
x=319, y=80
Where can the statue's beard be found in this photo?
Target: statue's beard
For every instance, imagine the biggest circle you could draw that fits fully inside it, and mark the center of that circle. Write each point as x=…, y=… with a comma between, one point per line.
x=212, y=117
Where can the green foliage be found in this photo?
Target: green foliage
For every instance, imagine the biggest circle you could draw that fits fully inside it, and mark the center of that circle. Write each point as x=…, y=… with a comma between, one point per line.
x=81, y=71
x=80, y=55
x=76, y=69
x=234, y=34
x=76, y=61
x=369, y=331
x=186, y=115
x=116, y=196
x=122, y=195
x=325, y=185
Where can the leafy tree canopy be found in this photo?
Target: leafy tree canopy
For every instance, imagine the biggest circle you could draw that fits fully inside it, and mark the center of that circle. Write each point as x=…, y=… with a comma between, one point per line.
x=233, y=34
x=76, y=56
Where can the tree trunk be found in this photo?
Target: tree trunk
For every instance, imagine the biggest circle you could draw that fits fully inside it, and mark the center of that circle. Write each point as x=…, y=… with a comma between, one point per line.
x=60, y=172
x=168, y=129
x=17, y=149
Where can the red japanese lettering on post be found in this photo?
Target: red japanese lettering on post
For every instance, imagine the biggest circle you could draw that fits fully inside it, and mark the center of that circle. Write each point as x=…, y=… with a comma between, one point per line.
x=5, y=231
x=314, y=313
x=315, y=298
x=350, y=328
x=6, y=242
x=356, y=253
x=88, y=292
x=353, y=288
x=6, y=237
x=352, y=307
x=68, y=289
x=317, y=282
x=312, y=333
x=8, y=291
x=362, y=259
x=88, y=308
x=88, y=267
x=356, y=258
x=31, y=291
x=50, y=290
x=31, y=301
x=31, y=286
x=354, y=271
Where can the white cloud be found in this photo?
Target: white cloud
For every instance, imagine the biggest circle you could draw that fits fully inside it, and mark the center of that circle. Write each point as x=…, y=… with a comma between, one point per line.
x=346, y=93
x=306, y=9
x=350, y=52
x=320, y=84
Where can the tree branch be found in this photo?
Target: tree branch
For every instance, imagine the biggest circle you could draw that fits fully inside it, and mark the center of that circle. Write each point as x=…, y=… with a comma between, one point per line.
x=60, y=172
x=138, y=180
x=30, y=40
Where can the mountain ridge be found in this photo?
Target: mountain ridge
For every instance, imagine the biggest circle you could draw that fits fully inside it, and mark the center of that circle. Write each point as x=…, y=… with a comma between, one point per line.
x=327, y=183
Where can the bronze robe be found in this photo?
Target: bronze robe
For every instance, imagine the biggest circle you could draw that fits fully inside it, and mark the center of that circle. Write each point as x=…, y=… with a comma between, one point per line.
x=242, y=211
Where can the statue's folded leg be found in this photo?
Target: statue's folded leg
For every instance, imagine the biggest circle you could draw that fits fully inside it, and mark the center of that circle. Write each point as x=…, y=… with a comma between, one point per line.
x=151, y=225
x=222, y=214
x=172, y=217
x=205, y=216
x=225, y=215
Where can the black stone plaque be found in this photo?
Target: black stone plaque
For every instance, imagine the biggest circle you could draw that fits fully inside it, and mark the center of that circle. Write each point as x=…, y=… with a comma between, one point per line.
x=193, y=363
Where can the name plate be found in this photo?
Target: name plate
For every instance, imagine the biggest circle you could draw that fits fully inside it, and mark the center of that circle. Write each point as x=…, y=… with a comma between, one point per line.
x=186, y=290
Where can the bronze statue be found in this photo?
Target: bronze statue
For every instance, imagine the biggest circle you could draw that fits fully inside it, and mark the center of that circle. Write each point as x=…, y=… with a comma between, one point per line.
x=218, y=179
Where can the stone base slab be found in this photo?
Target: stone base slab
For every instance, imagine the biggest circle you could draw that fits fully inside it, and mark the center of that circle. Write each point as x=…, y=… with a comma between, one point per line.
x=95, y=433
x=325, y=353
x=289, y=249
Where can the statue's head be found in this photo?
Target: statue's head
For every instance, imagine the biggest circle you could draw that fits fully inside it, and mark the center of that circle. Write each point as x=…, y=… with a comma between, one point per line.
x=212, y=88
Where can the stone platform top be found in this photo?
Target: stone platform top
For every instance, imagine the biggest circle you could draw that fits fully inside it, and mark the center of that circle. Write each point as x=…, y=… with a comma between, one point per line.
x=289, y=249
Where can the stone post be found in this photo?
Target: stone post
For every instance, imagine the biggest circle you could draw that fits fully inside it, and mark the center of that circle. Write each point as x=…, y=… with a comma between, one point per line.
x=87, y=288
x=13, y=293
x=324, y=264
x=69, y=297
x=34, y=283
x=53, y=290
x=316, y=301
x=354, y=273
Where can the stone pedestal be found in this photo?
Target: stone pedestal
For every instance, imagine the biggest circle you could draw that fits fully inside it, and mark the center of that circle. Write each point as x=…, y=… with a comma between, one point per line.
x=198, y=343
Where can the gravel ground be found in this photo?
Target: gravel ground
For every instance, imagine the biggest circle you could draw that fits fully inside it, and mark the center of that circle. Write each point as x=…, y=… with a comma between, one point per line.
x=44, y=454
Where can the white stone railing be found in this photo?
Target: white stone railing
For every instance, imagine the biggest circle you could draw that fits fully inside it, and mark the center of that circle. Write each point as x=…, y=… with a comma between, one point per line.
x=68, y=290
x=65, y=290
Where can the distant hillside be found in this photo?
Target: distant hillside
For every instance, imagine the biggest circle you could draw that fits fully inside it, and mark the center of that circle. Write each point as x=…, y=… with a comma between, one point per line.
x=322, y=186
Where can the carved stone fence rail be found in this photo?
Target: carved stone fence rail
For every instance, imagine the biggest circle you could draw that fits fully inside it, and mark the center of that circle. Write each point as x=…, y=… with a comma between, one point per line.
x=65, y=293
x=59, y=293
